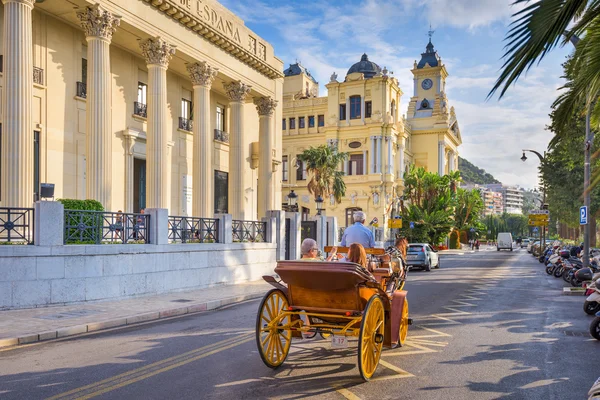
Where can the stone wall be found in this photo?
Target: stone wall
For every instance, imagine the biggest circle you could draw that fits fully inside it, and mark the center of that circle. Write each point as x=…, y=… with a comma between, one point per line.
x=34, y=276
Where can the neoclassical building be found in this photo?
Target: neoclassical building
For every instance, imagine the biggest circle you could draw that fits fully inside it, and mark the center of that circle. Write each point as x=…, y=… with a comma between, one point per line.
x=139, y=104
x=360, y=116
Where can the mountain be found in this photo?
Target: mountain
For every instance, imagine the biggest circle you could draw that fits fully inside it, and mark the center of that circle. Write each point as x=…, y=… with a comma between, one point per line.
x=472, y=174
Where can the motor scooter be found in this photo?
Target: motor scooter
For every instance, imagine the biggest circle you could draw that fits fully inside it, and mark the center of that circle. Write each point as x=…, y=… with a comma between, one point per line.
x=591, y=305
x=594, y=393
x=595, y=327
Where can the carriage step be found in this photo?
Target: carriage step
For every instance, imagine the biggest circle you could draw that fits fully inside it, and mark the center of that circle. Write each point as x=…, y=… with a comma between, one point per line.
x=410, y=321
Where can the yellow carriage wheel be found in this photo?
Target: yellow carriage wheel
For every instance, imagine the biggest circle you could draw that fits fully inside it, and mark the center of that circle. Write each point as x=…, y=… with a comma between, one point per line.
x=273, y=342
x=370, y=339
x=404, y=323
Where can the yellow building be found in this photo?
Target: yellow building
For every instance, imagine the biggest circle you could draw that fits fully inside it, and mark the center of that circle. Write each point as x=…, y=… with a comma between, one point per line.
x=360, y=116
x=138, y=103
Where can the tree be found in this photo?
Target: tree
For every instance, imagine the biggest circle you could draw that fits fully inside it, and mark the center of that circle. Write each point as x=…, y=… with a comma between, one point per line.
x=322, y=163
x=468, y=208
x=430, y=203
x=537, y=29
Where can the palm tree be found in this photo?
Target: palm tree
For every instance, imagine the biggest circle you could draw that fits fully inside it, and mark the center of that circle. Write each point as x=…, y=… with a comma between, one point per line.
x=537, y=29
x=322, y=164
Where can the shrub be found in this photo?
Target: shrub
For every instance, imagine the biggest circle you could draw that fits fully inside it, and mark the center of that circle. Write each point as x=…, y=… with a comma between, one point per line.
x=454, y=242
x=74, y=204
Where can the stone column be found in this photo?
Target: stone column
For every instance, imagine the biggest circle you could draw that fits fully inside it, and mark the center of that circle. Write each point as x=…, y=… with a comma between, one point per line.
x=266, y=193
x=372, y=155
x=236, y=92
x=441, y=157
x=17, y=96
x=99, y=27
x=401, y=158
x=450, y=161
x=390, y=168
x=157, y=53
x=202, y=76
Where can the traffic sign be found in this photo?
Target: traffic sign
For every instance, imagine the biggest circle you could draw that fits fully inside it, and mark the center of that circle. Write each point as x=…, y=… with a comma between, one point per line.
x=535, y=230
x=583, y=215
x=537, y=223
x=412, y=225
x=395, y=223
x=547, y=212
x=539, y=217
x=472, y=229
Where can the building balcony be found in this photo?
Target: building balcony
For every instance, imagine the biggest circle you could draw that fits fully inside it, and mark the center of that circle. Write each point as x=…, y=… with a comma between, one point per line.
x=140, y=109
x=186, y=124
x=81, y=90
x=221, y=136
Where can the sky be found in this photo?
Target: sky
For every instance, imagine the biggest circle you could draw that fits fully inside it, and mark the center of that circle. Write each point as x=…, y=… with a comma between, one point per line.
x=331, y=35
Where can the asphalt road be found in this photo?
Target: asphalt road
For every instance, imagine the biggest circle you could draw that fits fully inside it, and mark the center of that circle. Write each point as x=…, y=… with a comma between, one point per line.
x=486, y=325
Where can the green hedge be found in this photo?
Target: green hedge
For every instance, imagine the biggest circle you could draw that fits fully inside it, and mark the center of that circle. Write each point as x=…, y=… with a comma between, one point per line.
x=74, y=204
x=454, y=240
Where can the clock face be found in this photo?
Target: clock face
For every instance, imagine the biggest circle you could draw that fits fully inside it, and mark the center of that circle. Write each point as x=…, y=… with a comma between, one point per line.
x=427, y=84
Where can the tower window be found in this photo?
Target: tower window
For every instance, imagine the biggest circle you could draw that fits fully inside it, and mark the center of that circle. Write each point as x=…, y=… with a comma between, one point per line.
x=354, y=107
x=292, y=123
x=321, y=120
x=311, y=121
x=301, y=122
x=368, y=109
x=283, y=124
x=342, y=112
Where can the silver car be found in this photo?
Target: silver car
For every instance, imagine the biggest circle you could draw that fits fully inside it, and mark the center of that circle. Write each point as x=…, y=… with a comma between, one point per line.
x=422, y=255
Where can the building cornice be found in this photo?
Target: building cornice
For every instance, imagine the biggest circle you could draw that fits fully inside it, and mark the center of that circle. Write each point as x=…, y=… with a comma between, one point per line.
x=232, y=45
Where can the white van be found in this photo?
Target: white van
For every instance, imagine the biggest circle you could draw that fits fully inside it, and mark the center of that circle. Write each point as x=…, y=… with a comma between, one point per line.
x=504, y=241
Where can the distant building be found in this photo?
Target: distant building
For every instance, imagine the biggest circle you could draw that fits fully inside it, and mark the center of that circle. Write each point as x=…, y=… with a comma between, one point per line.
x=512, y=197
x=493, y=201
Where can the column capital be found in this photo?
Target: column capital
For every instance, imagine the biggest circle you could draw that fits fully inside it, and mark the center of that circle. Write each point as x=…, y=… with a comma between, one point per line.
x=157, y=51
x=29, y=3
x=98, y=23
x=265, y=106
x=202, y=74
x=237, y=91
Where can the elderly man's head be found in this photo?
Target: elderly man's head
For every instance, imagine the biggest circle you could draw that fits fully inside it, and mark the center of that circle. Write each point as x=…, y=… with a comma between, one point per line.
x=360, y=216
x=309, y=247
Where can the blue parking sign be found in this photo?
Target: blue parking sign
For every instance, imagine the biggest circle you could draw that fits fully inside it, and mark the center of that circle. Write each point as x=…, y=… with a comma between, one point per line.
x=412, y=225
x=583, y=215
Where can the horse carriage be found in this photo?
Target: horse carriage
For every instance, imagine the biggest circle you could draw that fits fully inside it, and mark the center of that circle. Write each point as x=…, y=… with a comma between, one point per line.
x=337, y=300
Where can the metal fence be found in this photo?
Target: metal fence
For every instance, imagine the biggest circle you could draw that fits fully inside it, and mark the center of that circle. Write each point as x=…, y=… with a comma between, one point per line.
x=81, y=90
x=193, y=230
x=16, y=225
x=99, y=227
x=186, y=124
x=221, y=136
x=249, y=231
x=140, y=109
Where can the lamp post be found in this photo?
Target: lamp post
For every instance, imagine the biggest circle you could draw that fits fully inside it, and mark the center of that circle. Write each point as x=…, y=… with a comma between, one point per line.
x=543, y=230
x=589, y=139
x=319, y=201
x=292, y=199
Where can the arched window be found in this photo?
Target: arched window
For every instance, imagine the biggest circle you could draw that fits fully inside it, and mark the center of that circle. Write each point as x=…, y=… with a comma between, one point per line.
x=354, y=107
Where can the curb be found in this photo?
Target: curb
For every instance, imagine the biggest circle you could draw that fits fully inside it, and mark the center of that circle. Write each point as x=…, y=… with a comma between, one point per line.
x=125, y=321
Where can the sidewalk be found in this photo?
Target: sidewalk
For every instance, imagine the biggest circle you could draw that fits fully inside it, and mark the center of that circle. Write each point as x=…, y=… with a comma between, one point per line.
x=37, y=324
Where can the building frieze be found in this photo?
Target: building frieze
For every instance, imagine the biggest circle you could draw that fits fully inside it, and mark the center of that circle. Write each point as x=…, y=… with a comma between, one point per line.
x=221, y=29
x=305, y=102
x=98, y=23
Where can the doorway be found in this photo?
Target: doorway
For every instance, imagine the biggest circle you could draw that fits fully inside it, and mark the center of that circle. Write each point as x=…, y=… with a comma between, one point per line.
x=139, y=184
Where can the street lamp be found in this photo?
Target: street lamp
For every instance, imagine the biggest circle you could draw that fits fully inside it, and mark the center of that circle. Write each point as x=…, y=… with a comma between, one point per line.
x=292, y=199
x=319, y=201
x=543, y=230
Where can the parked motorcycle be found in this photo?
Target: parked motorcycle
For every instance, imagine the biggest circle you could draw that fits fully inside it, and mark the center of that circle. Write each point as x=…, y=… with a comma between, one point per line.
x=595, y=327
x=594, y=393
x=591, y=305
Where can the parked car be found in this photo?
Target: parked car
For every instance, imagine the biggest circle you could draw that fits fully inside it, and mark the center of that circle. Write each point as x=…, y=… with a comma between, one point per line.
x=524, y=243
x=504, y=241
x=422, y=255
x=531, y=244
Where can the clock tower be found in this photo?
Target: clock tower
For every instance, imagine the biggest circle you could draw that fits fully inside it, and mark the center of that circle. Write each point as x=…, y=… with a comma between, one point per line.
x=433, y=122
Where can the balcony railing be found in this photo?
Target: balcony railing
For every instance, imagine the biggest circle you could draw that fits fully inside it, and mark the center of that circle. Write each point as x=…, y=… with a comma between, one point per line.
x=249, y=231
x=186, y=124
x=221, y=136
x=140, y=109
x=81, y=90
x=193, y=230
x=100, y=227
x=38, y=75
x=16, y=225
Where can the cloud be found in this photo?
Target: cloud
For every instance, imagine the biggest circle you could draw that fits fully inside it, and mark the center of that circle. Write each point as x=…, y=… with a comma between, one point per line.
x=468, y=13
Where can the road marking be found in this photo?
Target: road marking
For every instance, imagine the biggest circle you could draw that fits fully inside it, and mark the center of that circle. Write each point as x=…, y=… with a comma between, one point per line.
x=346, y=393
x=442, y=334
x=401, y=373
x=149, y=370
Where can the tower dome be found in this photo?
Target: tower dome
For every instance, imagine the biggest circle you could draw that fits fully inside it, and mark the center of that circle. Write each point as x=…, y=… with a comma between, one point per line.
x=368, y=68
